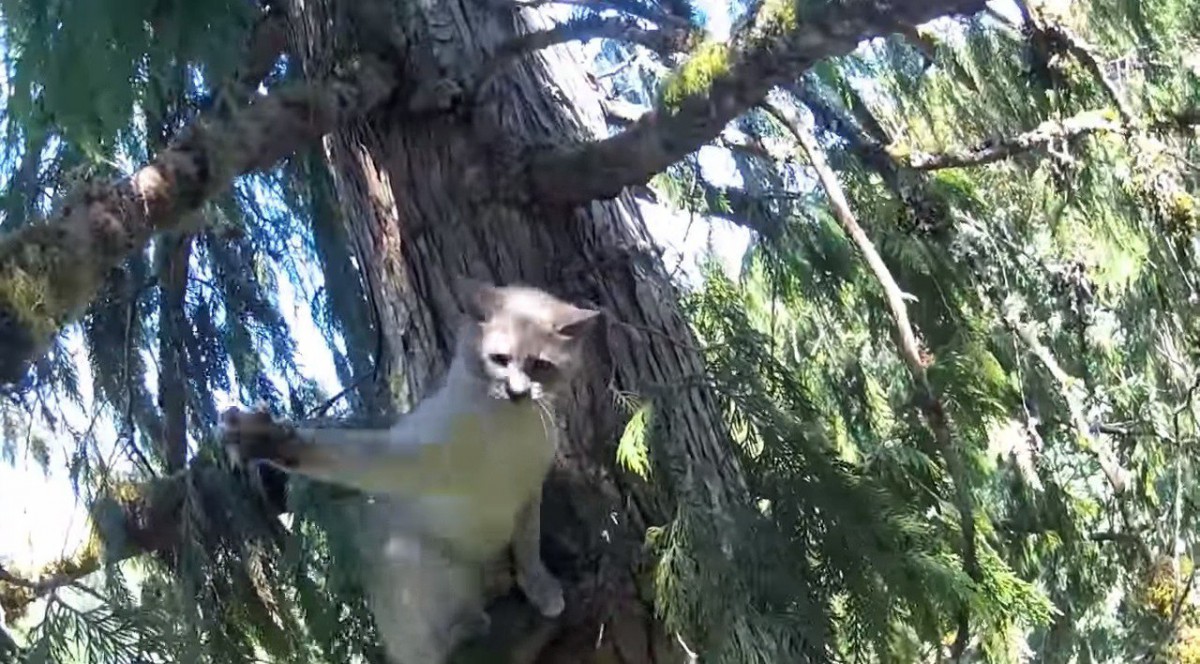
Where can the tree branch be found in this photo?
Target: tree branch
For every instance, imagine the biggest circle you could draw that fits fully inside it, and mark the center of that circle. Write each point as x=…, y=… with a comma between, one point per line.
x=1038, y=138
x=907, y=345
x=1091, y=443
x=631, y=8
x=665, y=41
x=50, y=272
x=1061, y=36
x=18, y=592
x=622, y=113
x=773, y=49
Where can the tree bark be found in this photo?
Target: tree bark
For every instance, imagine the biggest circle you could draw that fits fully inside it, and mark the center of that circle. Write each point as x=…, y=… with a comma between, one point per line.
x=421, y=212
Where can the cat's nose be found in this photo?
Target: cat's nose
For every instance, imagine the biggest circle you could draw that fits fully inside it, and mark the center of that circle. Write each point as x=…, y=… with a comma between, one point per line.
x=518, y=386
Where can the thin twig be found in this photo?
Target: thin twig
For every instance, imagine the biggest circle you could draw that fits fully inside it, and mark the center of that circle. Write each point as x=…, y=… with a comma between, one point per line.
x=664, y=41
x=1040, y=137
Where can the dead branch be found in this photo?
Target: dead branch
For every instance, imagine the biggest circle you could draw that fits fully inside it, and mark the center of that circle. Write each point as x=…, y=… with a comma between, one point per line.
x=907, y=345
x=1089, y=441
x=1038, y=138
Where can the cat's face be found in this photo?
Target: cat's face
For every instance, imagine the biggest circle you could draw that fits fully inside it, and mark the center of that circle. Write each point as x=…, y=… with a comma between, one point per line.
x=526, y=342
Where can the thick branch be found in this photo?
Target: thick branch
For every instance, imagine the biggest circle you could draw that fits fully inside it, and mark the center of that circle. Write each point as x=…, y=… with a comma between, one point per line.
x=1038, y=138
x=268, y=40
x=50, y=272
x=173, y=257
x=774, y=49
x=909, y=348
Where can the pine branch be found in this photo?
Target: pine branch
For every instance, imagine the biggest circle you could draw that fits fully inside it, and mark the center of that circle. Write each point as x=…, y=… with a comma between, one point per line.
x=740, y=207
x=719, y=83
x=1063, y=38
x=50, y=272
x=906, y=343
x=1038, y=138
x=1070, y=388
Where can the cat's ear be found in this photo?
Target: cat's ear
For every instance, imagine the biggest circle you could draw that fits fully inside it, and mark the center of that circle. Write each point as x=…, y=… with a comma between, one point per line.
x=481, y=299
x=573, y=322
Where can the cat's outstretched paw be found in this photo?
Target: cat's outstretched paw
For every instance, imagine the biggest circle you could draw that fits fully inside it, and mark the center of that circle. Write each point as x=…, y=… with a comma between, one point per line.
x=256, y=436
x=543, y=591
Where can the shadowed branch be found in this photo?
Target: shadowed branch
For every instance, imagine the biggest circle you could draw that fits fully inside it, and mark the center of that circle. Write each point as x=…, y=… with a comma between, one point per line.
x=664, y=41
x=1038, y=138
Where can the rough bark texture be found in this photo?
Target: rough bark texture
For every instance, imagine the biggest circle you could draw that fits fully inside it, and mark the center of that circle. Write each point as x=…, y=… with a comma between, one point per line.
x=422, y=210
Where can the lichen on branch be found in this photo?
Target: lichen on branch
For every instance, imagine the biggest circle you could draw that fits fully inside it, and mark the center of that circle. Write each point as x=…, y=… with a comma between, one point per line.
x=50, y=272
x=716, y=85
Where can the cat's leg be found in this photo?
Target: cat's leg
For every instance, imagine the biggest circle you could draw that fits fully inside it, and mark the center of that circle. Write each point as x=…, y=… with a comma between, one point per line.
x=358, y=458
x=541, y=588
x=425, y=602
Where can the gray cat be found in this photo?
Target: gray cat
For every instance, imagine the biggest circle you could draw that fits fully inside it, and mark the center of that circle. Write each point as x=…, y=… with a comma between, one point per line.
x=458, y=478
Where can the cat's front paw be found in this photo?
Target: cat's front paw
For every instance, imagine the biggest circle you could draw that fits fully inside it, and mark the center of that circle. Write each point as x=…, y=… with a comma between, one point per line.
x=256, y=436
x=543, y=591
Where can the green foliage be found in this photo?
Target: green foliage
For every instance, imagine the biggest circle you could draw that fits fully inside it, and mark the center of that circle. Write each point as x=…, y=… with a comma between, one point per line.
x=853, y=550
x=83, y=66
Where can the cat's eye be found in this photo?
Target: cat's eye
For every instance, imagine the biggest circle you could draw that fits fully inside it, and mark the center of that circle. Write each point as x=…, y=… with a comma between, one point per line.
x=538, y=366
x=500, y=359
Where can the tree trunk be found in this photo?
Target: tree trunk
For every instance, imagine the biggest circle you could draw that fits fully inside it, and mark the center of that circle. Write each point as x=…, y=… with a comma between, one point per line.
x=423, y=207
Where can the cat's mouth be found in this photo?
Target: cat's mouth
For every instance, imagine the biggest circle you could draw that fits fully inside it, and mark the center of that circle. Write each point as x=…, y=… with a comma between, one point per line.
x=501, y=391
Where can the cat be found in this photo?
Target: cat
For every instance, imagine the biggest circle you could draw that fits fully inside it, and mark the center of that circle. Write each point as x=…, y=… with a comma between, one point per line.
x=460, y=475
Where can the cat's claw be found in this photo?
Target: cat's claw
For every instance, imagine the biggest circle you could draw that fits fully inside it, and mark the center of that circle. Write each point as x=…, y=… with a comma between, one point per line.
x=250, y=436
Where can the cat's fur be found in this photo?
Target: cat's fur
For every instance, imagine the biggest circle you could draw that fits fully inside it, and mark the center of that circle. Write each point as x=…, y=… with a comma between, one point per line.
x=461, y=474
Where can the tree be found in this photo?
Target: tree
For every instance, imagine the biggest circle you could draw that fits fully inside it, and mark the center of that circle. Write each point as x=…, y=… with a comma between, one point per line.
x=945, y=409
x=442, y=163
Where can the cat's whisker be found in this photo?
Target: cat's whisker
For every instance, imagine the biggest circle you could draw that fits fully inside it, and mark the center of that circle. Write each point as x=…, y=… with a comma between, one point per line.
x=546, y=416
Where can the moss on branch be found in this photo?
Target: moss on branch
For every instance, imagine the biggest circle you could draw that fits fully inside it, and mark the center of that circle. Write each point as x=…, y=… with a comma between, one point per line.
x=717, y=84
x=50, y=272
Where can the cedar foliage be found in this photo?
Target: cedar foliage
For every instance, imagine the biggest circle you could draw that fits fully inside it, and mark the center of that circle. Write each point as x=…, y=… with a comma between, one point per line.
x=1052, y=291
